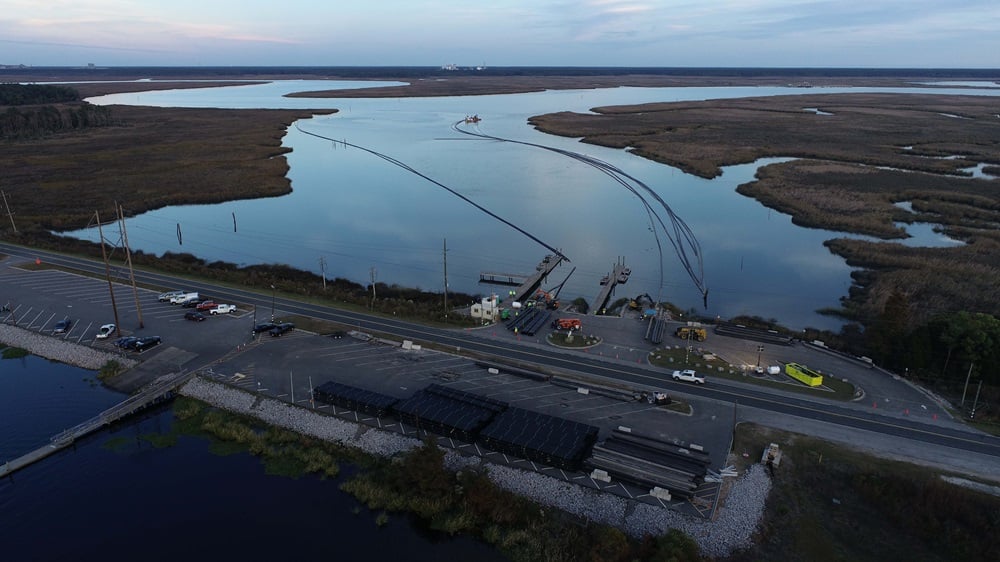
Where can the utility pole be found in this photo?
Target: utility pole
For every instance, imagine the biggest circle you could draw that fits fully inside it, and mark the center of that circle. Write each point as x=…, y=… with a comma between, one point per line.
x=128, y=260
x=372, y=273
x=9, y=214
x=972, y=414
x=445, y=278
x=272, y=303
x=322, y=268
x=107, y=273
x=967, y=376
x=687, y=350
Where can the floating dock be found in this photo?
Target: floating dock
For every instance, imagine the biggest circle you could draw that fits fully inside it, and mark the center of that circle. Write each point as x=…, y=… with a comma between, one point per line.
x=158, y=390
x=526, y=284
x=618, y=275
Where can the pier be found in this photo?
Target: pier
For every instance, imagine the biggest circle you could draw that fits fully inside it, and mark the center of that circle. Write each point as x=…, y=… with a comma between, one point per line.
x=156, y=391
x=619, y=275
x=526, y=284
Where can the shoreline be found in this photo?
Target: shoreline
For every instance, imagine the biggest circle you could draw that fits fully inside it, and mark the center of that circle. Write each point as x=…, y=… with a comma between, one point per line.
x=60, y=350
x=733, y=528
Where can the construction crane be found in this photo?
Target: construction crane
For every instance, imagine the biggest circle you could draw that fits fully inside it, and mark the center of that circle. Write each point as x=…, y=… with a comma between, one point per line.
x=551, y=299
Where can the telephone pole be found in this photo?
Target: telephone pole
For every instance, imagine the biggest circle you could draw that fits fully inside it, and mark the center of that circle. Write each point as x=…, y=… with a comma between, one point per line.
x=9, y=214
x=322, y=268
x=445, y=252
x=107, y=273
x=128, y=260
x=372, y=273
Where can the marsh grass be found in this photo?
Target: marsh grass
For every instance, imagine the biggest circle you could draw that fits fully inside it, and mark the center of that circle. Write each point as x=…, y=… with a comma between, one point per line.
x=14, y=353
x=830, y=502
x=851, y=169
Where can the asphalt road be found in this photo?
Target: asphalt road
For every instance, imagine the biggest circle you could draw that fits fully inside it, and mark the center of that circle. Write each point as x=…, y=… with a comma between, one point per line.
x=508, y=348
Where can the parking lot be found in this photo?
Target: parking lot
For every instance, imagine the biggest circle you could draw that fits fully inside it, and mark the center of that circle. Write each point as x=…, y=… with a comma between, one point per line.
x=38, y=299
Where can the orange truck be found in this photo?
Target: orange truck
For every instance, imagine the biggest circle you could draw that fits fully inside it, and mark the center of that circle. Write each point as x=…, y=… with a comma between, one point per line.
x=567, y=324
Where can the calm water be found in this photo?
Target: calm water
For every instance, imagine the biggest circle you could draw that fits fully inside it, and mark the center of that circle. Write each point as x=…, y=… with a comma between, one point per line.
x=40, y=398
x=133, y=501
x=364, y=216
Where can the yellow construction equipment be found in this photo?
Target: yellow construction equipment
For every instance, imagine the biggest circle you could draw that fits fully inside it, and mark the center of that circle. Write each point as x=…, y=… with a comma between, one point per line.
x=690, y=332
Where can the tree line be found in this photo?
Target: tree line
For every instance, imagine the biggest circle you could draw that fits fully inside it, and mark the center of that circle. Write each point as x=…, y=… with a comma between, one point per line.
x=35, y=94
x=31, y=114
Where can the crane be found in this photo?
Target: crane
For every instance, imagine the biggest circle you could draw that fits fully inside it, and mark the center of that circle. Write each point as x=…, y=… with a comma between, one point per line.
x=552, y=299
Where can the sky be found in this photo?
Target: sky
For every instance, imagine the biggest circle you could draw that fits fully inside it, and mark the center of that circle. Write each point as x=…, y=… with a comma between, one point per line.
x=637, y=33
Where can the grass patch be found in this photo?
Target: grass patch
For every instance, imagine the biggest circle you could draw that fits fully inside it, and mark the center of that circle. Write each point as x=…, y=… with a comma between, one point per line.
x=110, y=369
x=563, y=339
x=116, y=444
x=160, y=440
x=14, y=353
x=314, y=325
x=830, y=502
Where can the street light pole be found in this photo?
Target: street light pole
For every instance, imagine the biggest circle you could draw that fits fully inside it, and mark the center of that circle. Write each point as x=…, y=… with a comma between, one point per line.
x=272, y=303
x=760, y=348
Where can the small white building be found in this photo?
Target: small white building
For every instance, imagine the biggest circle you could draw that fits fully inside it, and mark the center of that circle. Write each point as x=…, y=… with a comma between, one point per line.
x=488, y=310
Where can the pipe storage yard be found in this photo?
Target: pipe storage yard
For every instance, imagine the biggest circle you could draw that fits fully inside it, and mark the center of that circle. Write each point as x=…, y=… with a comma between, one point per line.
x=639, y=460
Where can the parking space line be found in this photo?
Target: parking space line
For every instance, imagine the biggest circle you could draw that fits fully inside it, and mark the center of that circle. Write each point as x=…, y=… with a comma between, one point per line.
x=79, y=339
x=40, y=326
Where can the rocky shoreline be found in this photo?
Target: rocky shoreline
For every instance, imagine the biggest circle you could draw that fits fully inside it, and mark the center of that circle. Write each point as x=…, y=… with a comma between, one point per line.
x=59, y=349
x=733, y=528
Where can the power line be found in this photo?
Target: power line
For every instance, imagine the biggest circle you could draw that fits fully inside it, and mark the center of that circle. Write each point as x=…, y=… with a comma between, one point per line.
x=406, y=167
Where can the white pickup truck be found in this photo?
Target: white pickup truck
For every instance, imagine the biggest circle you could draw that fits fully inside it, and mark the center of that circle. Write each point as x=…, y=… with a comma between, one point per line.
x=222, y=309
x=689, y=376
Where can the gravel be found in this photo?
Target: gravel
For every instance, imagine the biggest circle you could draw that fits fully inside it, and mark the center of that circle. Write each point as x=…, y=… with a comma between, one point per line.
x=733, y=528
x=59, y=349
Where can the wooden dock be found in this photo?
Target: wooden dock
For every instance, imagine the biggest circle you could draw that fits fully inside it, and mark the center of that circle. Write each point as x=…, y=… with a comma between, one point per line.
x=525, y=283
x=618, y=275
x=527, y=288
x=152, y=393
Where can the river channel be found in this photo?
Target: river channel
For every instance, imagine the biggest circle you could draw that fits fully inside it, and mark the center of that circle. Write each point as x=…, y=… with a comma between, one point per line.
x=359, y=217
x=115, y=496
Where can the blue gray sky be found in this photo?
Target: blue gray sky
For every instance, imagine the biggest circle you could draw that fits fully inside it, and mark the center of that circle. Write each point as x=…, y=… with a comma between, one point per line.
x=739, y=33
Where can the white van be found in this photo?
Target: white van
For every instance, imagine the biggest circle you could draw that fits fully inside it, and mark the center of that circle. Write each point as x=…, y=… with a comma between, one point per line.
x=183, y=298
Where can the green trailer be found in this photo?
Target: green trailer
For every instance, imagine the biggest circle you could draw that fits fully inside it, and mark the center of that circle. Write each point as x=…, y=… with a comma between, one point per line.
x=803, y=374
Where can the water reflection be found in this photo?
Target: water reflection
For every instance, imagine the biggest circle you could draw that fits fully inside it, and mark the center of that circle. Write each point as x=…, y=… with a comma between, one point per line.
x=358, y=212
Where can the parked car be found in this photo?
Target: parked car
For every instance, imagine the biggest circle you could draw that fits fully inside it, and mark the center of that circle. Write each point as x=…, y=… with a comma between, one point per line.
x=338, y=334
x=105, y=331
x=689, y=376
x=62, y=326
x=164, y=297
x=264, y=327
x=191, y=303
x=144, y=343
x=183, y=298
x=222, y=309
x=281, y=329
x=125, y=342
x=195, y=316
x=205, y=306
